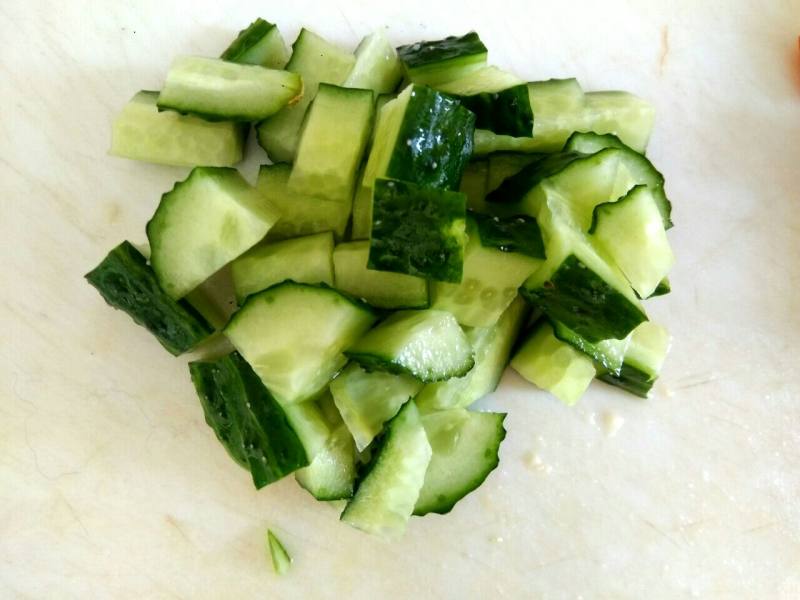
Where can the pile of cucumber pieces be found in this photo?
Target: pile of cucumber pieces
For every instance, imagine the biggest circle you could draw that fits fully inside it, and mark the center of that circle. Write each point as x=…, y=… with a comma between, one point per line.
x=424, y=218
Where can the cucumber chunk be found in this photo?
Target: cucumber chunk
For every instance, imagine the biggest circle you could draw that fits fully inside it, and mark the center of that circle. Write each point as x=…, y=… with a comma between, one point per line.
x=293, y=335
x=426, y=344
x=489, y=284
x=608, y=354
x=492, y=348
x=465, y=449
x=418, y=231
x=385, y=496
x=381, y=289
x=304, y=260
x=631, y=232
x=300, y=214
x=507, y=112
x=281, y=561
x=332, y=473
x=202, y=224
x=316, y=61
x=260, y=44
x=648, y=348
x=334, y=137
x=377, y=66
x=126, y=282
x=516, y=234
x=366, y=400
x=310, y=424
x=553, y=365
x=482, y=80
x=443, y=60
x=141, y=132
x=473, y=185
x=218, y=90
x=246, y=419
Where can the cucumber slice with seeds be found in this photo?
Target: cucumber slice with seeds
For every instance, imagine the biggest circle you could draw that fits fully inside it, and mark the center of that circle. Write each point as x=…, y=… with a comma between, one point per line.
x=142, y=132
x=202, y=224
x=426, y=344
x=218, y=90
x=260, y=44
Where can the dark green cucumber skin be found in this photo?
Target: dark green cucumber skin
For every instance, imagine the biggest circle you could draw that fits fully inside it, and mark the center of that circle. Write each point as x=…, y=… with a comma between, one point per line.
x=423, y=54
x=126, y=282
x=507, y=112
x=520, y=234
x=250, y=417
x=246, y=39
x=631, y=380
x=409, y=231
x=376, y=362
x=446, y=503
x=434, y=143
x=663, y=288
x=563, y=333
x=514, y=188
x=577, y=297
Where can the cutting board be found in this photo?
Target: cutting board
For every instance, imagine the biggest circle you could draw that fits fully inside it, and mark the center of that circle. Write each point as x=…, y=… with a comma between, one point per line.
x=111, y=484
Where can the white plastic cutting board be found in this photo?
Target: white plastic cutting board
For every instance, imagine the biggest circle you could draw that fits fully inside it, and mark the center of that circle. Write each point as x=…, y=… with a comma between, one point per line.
x=111, y=484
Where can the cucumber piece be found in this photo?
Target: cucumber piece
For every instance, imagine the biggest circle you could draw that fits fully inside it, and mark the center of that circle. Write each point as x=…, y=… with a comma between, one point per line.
x=247, y=419
x=608, y=354
x=332, y=473
x=300, y=214
x=424, y=137
x=377, y=66
x=507, y=112
x=473, y=185
x=631, y=232
x=281, y=561
x=310, y=424
x=628, y=117
x=427, y=344
x=260, y=44
x=433, y=62
x=202, y=224
x=217, y=90
x=381, y=289
x=141, y=132
x=293, y=335
x=126, y=283
x=553, y=365
x=385, y=496
x=644, y=358
x=417, y=230
x=334, y=137
x=590, y=142
x=489, y=285
x=316, y=61
x=482, y=80
x=516, y=234
x=503, y=165
x=492, y=348
x=465, y=449
x=306, y=259
x=362, y=213
x=366, y=400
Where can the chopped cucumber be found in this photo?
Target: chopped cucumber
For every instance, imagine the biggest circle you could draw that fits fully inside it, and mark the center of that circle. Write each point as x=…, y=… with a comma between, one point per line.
x=489, y=284
x=386, y=495
x=473, y=185
x=332, y=473
x=591, y=143
x=443, y=60
x=300, y=214
x=631, y=232
x=141, y=132
x=503, y=165
x=644, y=358
x=382, y=289
x=507, y=112
x=362, y=213
x=310, y=424
x=465, y=449
x=628, y=117
x=293, y=335
x=315, y=61
x=366, y=400
x=126, y=282
x=427, y=344
x=246, y=419
x=281, y=561
x=482, y=80
x=206, y=221
x=608, y=354
x=553, y=365
x=377, y=66
x=516, y=234
x=417, y=230
x=218, y=90
x=334, y=137
x=260, y=44
x=492, y=348
x=304, y=260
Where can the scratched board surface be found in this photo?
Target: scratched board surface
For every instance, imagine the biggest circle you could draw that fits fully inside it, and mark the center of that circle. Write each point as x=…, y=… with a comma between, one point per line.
x=111, y=484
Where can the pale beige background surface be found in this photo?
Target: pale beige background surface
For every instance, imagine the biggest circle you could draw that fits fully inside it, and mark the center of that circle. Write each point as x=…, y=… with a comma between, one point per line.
x=112, y=486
